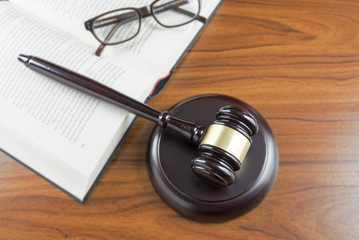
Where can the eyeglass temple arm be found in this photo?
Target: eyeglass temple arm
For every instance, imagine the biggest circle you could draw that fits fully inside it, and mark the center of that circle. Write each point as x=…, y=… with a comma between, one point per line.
x=124, y=17
x=198, y=17
x=109, y=36
x=174, y=5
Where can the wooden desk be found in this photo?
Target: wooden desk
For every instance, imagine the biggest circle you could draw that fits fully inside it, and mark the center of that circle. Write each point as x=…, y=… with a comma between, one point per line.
x=297, y=63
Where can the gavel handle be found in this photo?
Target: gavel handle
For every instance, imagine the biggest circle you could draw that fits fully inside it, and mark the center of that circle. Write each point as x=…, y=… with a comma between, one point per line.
x=189, y=130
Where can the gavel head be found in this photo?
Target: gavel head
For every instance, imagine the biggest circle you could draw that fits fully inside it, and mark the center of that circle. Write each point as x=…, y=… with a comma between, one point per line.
x=224, y=146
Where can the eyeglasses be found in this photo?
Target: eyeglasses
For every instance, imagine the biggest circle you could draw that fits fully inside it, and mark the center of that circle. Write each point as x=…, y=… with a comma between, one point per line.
x=121, y=25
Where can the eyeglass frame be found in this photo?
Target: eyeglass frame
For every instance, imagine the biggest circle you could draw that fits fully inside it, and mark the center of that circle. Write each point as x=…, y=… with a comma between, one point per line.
x=142, y=12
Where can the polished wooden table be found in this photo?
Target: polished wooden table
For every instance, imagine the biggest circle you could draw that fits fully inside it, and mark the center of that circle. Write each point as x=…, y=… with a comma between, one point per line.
x=297, y=63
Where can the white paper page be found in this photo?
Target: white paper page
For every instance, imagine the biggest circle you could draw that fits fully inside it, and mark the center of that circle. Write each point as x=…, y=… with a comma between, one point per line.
x=56, y=170
x=65, y=123
x=154, y=51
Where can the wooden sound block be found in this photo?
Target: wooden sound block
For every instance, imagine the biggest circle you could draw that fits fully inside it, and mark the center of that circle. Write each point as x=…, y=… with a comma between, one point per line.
x=169, y=166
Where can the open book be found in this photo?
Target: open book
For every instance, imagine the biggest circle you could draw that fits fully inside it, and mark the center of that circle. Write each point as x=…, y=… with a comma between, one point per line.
x=64, y=135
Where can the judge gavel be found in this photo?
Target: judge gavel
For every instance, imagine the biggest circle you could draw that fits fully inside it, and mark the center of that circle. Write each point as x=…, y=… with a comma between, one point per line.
x=222, y=146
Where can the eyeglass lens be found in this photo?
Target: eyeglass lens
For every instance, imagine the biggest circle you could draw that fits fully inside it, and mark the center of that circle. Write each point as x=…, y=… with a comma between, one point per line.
x=173, y=13
x=117, y=26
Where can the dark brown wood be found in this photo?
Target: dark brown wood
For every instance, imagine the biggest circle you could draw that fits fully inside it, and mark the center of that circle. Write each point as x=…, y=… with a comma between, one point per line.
x=169, y=164
x=296, y=62
x=212, y=156
x=89, y=86
x=191, y=131
x=214, y=164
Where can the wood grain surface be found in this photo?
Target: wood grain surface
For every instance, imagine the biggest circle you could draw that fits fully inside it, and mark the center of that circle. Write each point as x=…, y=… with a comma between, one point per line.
x=297, y=63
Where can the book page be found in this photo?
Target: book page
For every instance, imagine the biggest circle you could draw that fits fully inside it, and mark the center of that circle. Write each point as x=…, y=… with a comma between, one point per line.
x=155, y=50
x=65, y=124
